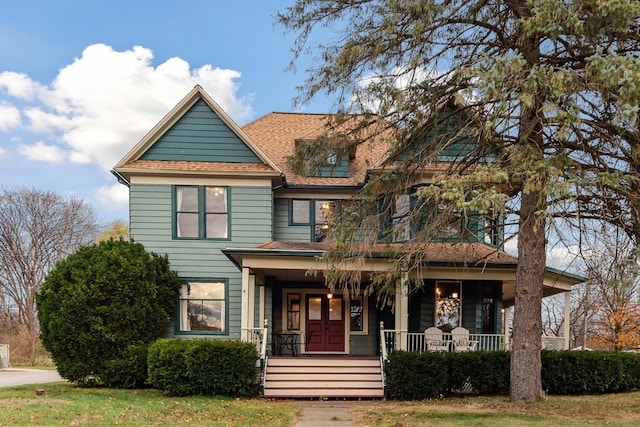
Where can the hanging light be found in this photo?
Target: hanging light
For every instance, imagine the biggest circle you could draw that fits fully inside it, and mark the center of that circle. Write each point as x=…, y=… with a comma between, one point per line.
x=454, y=295
x=329, y=295
x=325, y=226
x=325, y=206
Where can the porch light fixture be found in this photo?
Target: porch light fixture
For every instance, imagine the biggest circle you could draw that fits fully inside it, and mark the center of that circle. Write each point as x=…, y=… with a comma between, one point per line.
x=329, y=296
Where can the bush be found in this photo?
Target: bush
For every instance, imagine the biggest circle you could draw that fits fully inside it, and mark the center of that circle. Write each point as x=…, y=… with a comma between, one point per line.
x=129, y=370
x=203, y=367
x=413, y=376
x=416, y=376
x=589, y=372
x=98, y=302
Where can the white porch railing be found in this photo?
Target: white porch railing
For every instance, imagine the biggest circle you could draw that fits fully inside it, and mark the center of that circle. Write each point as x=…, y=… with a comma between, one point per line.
x=259, y=338
x=392, y=339
x=554, y=343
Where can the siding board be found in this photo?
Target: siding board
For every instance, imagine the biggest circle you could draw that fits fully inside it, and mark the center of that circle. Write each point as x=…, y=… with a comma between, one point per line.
x=200, y=135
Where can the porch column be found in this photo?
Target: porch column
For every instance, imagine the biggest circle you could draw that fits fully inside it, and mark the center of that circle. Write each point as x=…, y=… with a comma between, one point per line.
x=261, y=309
x=244, y=312
x=402, y=310
x=251, y=313
x=566, y=326
x=505, y=323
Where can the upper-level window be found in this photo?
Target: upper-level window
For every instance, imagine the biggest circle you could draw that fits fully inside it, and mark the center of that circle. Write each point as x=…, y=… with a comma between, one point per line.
x=491, y=230
x=325, y=211
x=452, y=227
x=319, y=214
x=400, y=224
x=201, y=212
x=300, y=212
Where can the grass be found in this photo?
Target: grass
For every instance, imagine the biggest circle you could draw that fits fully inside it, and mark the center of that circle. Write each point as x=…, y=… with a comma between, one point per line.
x=65, y=404
x=612, y=410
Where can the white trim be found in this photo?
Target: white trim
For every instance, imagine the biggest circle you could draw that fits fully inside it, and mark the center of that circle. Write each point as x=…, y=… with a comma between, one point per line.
x=566, y=327
x=176, y=114
x=261, y=309
x=244, y=298
x=183, y=180
x=251, y=313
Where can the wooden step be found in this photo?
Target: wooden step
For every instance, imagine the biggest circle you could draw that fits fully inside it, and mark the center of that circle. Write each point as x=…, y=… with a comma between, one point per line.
x=323, y=377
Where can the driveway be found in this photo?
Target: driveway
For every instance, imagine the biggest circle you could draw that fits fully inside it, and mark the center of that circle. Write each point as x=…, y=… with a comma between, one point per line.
x=20, y=376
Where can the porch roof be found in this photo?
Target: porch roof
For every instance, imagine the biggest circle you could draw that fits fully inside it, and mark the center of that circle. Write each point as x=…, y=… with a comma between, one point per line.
x=290, y=261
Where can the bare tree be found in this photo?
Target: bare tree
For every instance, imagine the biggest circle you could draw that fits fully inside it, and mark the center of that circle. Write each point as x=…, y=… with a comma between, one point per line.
x=37, y=229
x=613, y=269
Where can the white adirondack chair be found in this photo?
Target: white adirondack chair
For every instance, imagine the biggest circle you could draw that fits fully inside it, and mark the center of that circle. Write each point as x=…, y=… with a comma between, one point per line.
x=461, y=341
x=434, y=339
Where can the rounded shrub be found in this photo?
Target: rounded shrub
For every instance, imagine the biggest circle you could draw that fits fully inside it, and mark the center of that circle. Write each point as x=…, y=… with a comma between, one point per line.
x=98, y=303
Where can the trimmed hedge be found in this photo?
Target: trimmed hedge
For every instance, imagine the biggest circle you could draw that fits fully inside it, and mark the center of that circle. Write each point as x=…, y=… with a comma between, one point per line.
x=203, y=367
x=416, y=376
x=590, y=372
x=129, y=370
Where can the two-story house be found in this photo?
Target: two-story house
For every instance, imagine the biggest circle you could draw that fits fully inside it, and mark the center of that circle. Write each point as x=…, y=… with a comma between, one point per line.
x=243, y=230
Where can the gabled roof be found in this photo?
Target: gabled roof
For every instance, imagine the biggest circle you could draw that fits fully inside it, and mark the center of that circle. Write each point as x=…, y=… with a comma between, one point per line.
x=132, y=163
x=276, y=133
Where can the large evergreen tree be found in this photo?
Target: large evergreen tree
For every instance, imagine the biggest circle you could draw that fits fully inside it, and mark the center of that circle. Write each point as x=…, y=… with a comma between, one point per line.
x=534, y=105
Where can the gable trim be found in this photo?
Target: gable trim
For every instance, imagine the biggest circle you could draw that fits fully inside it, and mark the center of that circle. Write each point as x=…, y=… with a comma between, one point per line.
x=176, y=113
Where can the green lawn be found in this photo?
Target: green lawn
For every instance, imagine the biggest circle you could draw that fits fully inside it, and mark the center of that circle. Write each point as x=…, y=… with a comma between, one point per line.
x=610, y=410
x=65, y=404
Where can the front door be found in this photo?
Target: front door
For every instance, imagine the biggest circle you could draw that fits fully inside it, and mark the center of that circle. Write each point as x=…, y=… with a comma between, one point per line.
x=325, y=323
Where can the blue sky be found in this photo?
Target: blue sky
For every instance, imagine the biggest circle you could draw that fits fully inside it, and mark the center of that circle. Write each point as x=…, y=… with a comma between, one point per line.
x=82, y=81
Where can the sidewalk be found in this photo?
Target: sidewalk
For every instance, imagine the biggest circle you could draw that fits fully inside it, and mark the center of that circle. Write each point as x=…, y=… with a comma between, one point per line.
x=22, y=376
x=327, y=413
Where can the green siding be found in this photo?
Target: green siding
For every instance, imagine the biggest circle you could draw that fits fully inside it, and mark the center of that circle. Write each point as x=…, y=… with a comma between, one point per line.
x=285, y=232
x=200, y=135
x=366, y=345
x=150, y=223
x=339, y=170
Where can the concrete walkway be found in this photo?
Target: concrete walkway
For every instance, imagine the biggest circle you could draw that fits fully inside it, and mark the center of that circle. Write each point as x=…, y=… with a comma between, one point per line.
x=328, y=413
x=21, y=376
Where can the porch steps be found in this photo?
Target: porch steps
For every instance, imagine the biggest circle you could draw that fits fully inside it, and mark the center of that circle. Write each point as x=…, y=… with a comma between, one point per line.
x=323, y=377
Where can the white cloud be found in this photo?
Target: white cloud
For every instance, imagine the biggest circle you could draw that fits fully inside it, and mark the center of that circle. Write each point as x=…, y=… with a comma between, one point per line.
x=42, y=152
x=100, y=105
x=9, y=116
x=19, y=85
x=114, y=196
x=2, y=153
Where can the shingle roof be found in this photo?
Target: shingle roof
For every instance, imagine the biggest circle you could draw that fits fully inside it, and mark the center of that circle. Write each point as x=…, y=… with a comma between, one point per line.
x=437, y=252
x=188, y=166
x=276, y=133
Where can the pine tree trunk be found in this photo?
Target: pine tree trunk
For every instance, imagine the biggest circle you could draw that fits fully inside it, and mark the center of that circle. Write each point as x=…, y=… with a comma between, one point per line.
x=526, y=383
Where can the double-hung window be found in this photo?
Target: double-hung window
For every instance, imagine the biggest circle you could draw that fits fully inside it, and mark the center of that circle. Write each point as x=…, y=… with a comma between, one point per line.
x=203, y=307
x=201, y=212
x=400, y=224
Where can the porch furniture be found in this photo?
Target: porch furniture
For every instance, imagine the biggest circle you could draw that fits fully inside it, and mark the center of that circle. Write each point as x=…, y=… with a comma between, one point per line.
x=285, y=340
x=461, y=341
x=435, y=340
